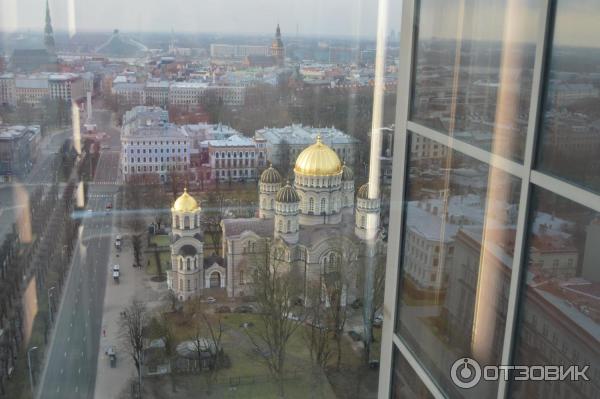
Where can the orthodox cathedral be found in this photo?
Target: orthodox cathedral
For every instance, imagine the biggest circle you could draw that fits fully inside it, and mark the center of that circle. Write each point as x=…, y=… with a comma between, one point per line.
x=315, y=225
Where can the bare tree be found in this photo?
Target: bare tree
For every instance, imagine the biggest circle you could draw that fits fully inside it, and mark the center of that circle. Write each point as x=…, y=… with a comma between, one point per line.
x=206, y=337
x=211, y=219
x=133, y=324
x=275, y=289
x=317, y=335
x=340, y=269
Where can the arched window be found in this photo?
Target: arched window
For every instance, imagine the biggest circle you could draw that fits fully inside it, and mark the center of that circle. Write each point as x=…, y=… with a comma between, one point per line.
x=180, y=264
x=280, y=225
x=189, y=264
x=176, y=221
x=272, y=203
x=311, y=205
x=363, y=221
x=181, y=284
x=186, y=222
x=195, y=264
x=323, y=205
x=289, y=226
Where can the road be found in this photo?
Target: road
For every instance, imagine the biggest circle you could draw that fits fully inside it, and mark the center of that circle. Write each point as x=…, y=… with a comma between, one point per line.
x=70, y=366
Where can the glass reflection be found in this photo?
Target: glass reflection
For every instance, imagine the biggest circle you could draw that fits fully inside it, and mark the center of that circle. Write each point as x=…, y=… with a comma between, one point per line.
x=473, y=71
x=570, y=139
x=406, y=384
x=457, y=254
x=559, y=323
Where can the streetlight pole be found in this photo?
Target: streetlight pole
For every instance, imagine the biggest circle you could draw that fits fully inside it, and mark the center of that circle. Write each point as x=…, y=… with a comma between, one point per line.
x=50, y=297
x=29, y=366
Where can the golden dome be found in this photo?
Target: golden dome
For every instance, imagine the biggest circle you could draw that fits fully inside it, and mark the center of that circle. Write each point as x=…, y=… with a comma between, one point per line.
x=318, y=160
x=287, y=194
x=363, y=191
x=185, y=203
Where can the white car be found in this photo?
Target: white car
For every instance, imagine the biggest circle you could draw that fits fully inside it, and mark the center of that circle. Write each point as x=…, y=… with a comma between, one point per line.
x=210, y=299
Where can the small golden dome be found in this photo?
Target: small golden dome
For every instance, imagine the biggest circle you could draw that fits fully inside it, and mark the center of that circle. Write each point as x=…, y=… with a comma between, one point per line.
x=318, y=160
x=363, y=191
x=347, y=173
x=185, y=203
x=270, y=175
x=287, y=194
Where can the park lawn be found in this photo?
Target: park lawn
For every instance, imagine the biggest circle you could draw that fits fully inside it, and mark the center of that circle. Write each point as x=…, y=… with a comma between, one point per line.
x=165, y=260
x=298, y=386
x=162, y=240
x=248, y=377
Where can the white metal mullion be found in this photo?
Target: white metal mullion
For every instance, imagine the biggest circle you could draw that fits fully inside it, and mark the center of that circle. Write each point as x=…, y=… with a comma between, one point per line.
x=397, y=199
x=567, y=190
x=418, y=369
x=519, y=253
x=494, y=160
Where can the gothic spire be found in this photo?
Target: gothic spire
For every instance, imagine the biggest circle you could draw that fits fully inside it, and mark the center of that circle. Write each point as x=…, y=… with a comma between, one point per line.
x=48, y=32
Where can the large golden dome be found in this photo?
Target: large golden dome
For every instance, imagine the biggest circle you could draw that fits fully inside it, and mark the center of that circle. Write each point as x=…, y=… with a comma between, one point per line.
x=318, y=160
x=185, y=203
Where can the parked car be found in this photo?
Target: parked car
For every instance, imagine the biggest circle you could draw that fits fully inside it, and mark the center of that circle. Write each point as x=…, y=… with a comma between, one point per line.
x=244, y=309
x=355, y=336
x=118, y=241
x=210, y=299
x=223, y=309
x=109, y=206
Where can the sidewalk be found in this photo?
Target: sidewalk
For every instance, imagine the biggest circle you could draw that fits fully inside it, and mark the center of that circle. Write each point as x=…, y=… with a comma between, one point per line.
x=134, y=283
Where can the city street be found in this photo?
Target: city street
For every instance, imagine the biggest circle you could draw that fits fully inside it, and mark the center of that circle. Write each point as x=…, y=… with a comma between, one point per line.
x=70, y=364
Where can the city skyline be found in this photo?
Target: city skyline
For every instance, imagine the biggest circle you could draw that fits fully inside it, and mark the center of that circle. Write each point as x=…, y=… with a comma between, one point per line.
x=338, y=17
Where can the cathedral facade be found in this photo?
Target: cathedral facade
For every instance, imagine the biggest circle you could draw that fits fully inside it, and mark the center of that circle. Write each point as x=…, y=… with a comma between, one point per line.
x=316, y=225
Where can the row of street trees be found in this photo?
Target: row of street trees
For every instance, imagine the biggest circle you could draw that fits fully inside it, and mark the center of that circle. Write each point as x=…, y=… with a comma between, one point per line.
x=38, y=249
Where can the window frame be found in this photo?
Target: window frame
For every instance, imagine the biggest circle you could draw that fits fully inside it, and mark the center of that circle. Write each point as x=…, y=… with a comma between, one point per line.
x=527, y=172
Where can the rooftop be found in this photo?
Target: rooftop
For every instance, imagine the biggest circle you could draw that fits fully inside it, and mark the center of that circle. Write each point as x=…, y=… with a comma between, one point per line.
x=303, y=135
x=231, y=141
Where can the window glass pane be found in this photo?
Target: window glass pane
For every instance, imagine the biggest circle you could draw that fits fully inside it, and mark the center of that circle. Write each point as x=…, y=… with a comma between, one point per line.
x=457, y=249
x=405, y=382
x=559, y=320
x=473, y=71
x=570, y=139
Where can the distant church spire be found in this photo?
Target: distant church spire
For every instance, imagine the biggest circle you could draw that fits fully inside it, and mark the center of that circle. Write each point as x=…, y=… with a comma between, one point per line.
x=48, y=32
x=277, y=49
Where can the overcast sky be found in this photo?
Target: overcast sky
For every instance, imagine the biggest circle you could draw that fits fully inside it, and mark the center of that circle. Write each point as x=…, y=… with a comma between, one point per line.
x=320, y=17
x=577, y=21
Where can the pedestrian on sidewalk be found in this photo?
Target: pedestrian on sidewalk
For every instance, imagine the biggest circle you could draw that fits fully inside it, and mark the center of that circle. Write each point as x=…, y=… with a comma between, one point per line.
x=104, y=333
